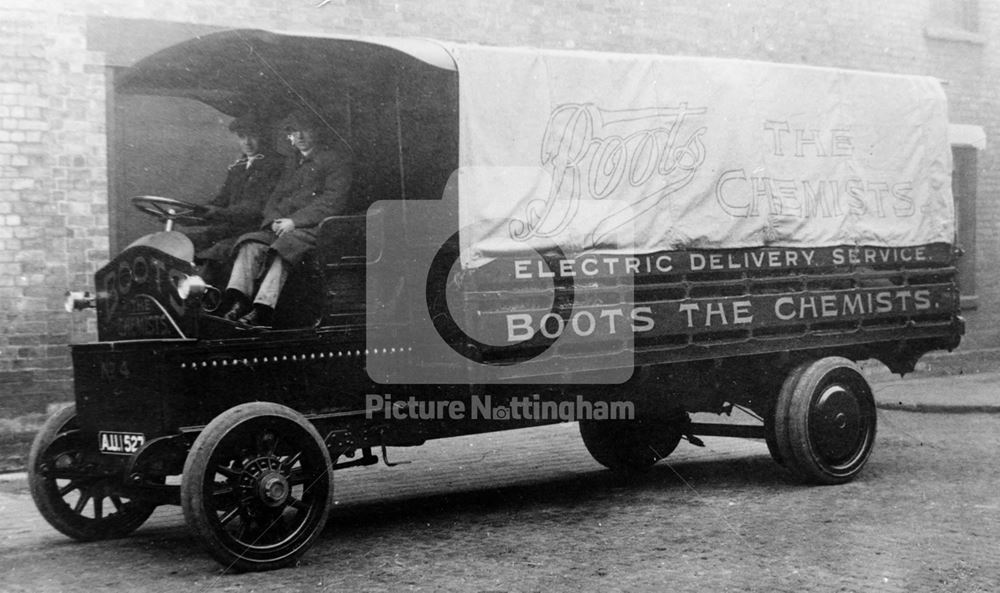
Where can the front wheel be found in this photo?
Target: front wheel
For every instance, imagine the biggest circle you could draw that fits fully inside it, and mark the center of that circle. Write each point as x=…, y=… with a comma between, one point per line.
x=73, y=498
x=257, y=486
x=825, y=421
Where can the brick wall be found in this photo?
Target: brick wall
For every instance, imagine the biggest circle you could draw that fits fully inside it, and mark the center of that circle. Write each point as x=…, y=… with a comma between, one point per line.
x=53, y=197
x=53, y=172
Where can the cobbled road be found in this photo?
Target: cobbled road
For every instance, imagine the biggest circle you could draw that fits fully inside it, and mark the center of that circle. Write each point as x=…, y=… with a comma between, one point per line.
x=530, y=511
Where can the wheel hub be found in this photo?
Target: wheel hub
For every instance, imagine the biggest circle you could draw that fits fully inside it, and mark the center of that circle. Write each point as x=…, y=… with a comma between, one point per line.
x=264, y=481
x=64, y=461
x=272, y=489
x=837, y=423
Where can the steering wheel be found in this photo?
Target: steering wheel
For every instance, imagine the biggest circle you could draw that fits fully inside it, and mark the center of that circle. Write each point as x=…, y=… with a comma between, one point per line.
x=170, y=210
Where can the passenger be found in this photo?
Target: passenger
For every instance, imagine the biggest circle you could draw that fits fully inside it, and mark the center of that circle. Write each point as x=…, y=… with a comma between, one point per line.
x=237, y=207
x=314, y=185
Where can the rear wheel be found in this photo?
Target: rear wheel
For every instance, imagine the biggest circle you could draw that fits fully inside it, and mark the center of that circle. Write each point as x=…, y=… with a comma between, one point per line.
x=629, y=446
x=78, y=503
x=777, y=445
x=771, y=439
x=825, y=421
x=257, y=486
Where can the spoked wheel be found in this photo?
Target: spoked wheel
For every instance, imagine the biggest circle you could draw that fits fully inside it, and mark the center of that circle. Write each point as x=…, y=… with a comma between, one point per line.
x=825, y=421
x=84, y=506
x=629, y=446
x=257, y=486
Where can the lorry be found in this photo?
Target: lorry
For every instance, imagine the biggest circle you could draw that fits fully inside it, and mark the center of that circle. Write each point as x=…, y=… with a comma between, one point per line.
x=540, y=236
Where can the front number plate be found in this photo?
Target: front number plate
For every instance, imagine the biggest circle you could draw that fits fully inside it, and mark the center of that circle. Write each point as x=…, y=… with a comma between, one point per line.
x=120, y=443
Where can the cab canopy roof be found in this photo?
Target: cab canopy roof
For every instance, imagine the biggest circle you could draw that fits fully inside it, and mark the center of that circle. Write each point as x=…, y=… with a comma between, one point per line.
x=234, y=70
x=394, y=102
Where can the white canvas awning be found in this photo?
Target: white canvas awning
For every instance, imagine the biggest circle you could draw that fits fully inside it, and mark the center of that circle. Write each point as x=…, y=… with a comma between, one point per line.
x=639, y=153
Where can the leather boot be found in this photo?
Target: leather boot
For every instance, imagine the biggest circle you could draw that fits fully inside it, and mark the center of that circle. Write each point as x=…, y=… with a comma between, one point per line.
x=259, y=316
x=239, y=308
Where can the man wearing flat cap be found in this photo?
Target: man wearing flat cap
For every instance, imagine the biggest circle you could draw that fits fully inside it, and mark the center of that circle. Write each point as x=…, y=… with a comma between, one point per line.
x=315, y=184
x=237, y=207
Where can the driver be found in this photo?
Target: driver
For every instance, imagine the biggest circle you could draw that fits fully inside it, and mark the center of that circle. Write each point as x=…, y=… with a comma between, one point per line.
x=315, y=185
x=237, y=207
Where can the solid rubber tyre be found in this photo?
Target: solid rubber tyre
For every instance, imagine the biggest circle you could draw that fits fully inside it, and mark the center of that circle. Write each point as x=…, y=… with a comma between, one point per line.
x=825, y=421
x=775, y=423
x=771, y=439
x=257, y=486
x=629, y=446
x=71, y=501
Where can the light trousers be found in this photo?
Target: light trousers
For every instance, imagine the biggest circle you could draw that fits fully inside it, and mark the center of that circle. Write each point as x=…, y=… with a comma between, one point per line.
x=248, y=266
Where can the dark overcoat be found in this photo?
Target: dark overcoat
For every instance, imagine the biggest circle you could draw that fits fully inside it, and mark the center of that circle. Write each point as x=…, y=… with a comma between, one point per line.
x=239, y=203
x=310, y=189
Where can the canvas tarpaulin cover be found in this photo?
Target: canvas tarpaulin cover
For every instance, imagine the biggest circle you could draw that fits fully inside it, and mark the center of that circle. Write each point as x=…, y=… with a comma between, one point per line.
x=632, y=154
